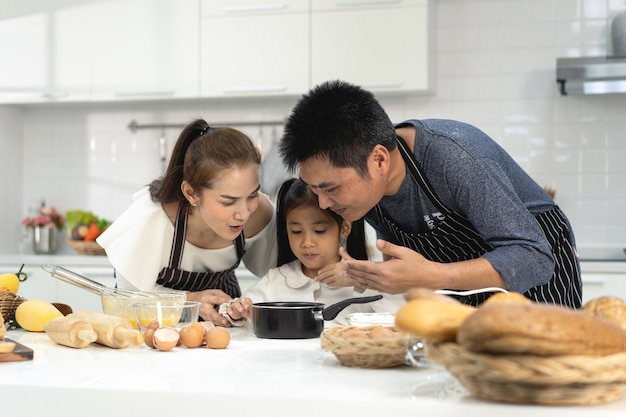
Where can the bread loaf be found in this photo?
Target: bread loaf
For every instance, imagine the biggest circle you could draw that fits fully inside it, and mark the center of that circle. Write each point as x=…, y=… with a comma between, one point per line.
x=432, y=319
x=539, y=329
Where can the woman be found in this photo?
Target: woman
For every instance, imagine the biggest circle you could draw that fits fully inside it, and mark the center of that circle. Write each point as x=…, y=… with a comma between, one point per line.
x=190, y=229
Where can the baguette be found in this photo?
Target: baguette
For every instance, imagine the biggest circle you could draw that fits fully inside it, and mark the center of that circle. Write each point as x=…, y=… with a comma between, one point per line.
x=539, y=329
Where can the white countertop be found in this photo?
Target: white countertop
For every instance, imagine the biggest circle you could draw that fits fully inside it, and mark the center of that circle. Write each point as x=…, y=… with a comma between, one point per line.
x=252, y=377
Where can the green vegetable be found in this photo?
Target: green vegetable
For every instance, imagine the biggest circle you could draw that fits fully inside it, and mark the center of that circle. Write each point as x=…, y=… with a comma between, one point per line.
x=76, y=217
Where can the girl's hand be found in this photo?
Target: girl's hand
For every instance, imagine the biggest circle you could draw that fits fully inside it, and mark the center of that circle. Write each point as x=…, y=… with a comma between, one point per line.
x=240, y=308
x=335, y=275
x=211, y=299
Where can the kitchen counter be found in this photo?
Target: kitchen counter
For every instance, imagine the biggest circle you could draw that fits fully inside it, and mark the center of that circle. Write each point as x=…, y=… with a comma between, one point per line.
x=252, y=377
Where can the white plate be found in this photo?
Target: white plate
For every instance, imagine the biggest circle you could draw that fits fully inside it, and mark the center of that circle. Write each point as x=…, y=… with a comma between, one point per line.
x=371, y=319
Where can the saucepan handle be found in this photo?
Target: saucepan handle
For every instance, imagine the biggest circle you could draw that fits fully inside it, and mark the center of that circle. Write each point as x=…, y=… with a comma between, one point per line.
x=332, y=310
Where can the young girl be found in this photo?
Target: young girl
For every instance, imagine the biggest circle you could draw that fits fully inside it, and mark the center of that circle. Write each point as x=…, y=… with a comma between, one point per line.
x=308, y=243
x=191, y=228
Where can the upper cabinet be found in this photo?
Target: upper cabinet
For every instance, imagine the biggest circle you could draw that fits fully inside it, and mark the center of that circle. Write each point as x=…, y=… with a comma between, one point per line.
x=104, y=50
x=99, y=50
x=45, y=53
x=254, y=47
x=144, y=49
x=382, y=45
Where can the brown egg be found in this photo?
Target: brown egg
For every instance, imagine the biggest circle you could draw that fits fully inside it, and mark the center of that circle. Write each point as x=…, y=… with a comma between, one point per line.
x=148, y=334
x=165, y=338
x=217, y=338
x=192, y=336
x=354, y=333
x=382, y=333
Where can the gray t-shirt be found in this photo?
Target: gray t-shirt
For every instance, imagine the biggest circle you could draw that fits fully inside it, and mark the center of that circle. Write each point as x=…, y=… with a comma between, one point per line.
x=473, y=176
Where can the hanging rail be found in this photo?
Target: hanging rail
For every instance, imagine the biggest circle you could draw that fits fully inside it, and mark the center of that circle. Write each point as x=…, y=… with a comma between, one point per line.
x=134, y=126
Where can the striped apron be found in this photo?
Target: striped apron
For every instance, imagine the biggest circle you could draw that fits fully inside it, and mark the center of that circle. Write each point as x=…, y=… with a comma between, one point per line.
x=173, y=277
x=455, y=240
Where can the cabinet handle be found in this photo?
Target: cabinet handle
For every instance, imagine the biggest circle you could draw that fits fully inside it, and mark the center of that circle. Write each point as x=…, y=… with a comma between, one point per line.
x=374, y=86
x=254, y=89
x=254, y=8
x=143, y=93
x=348, y=3
x=593, y=280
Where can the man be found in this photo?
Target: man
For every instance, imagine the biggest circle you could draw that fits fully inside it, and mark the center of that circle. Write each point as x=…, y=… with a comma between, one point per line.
x=450, y=207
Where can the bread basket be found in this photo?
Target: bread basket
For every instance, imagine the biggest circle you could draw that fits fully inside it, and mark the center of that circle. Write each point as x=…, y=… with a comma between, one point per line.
x=86, y=248
x=8, y=303
x=364, y=352
x=555, y=380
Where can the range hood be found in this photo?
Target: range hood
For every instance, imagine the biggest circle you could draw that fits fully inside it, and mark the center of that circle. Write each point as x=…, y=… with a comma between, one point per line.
x=591, y=75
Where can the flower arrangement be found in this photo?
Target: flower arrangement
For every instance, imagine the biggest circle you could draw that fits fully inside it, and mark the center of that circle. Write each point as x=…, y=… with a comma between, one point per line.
x=48, y=217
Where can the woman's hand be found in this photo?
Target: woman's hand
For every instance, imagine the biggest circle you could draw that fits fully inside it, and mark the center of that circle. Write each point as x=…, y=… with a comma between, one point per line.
x=210, y=299
x=240, y=308
x=335, y=275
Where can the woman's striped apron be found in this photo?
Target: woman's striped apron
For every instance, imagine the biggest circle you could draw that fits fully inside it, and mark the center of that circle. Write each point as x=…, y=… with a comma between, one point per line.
x=173, y=277
x=455, y=239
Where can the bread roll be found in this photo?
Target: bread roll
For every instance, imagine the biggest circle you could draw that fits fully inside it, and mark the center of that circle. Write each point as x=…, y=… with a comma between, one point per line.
x=539, y=329
x=431, y=319
x=609, y=308
x=421, y=292
x=507, y=297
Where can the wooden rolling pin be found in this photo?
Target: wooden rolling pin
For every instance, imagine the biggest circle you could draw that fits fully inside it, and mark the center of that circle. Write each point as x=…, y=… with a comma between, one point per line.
x=115, y=332
x=71, y=331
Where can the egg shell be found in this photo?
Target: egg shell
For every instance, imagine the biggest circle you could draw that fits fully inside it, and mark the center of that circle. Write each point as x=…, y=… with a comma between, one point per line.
x=217, y=338
x=165, y=338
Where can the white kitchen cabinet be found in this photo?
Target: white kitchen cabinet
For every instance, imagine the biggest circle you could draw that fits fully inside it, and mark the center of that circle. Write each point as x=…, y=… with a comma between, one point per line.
x=46, y=53
x=254, y=48
x=144, y=49
x=381, y=45
x=603, y=278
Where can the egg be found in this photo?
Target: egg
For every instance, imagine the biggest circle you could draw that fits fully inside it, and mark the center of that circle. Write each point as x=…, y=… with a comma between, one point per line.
x=382, y=333
x=165, y=338
x=354, y=333
x=217, y=338
x=148, y=334
x=192, y=335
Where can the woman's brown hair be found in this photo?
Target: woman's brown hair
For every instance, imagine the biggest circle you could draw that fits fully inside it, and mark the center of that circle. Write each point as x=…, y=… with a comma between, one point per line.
x=201, y=153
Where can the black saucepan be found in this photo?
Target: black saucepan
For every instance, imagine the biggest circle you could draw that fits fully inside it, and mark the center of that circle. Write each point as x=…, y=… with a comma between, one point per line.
x=296, y=319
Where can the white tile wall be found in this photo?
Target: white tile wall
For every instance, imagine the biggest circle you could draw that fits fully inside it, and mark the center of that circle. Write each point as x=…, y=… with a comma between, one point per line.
x=495, y=68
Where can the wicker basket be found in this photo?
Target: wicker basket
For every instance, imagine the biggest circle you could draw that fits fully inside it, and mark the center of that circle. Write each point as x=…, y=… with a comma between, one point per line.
x=557, y=380
x=8, y=303
x=364, y=352
x=86, y=248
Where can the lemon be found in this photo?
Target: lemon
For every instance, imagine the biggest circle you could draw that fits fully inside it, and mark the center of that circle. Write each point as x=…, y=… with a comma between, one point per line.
x=10, y=282
x=33, y=315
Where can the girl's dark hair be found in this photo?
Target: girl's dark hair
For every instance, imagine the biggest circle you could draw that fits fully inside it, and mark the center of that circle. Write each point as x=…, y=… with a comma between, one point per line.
x=295, y=193
x=338, y=121
x=201, y=153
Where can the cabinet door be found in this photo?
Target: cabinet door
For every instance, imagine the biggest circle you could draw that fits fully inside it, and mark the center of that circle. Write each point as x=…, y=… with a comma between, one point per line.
x=145, y=49
x=381, y=47
x=255, y=51
x=596, y=284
